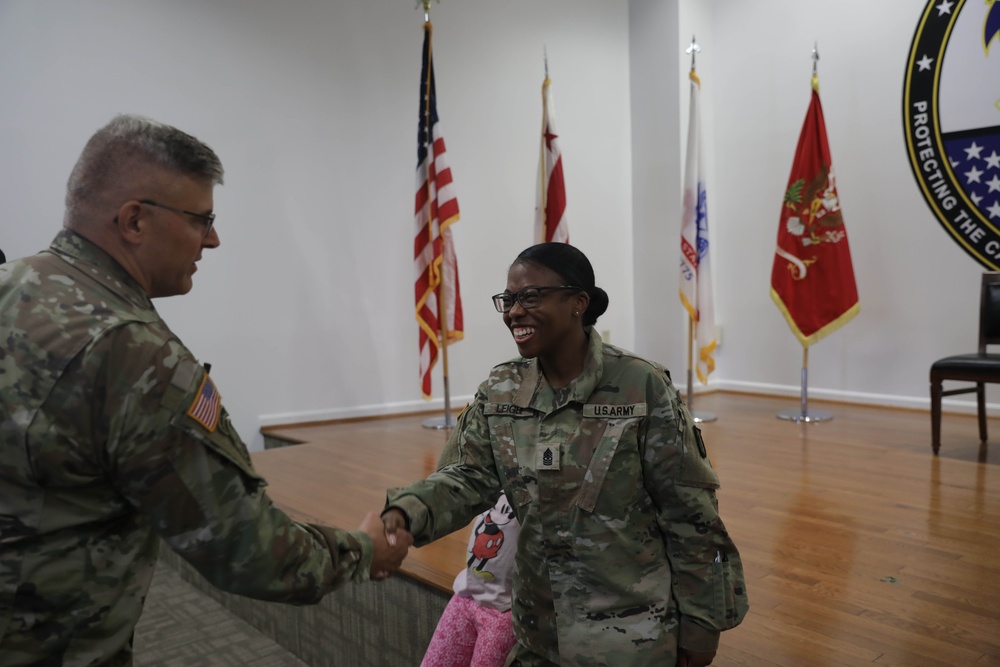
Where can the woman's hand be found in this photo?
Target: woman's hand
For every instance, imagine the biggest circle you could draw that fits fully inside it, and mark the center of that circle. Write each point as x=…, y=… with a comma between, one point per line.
x=394, y=520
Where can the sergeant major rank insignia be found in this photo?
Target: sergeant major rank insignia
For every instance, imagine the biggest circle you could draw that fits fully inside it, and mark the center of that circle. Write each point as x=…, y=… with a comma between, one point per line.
x=951, y=116
x=547, y=457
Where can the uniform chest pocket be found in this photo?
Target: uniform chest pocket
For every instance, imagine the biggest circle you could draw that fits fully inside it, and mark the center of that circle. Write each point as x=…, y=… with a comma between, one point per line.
x=614, y=477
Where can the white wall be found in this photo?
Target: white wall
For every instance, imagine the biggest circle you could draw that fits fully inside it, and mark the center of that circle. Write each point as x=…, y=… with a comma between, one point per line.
x=919, y=291
x=656, y=181
x=306, y=311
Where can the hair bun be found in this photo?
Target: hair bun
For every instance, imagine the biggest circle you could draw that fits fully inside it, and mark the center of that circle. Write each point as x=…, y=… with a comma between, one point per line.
x=598, y=305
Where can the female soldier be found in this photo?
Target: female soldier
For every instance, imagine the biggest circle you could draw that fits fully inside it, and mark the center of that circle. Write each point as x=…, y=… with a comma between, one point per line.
x=622, y=558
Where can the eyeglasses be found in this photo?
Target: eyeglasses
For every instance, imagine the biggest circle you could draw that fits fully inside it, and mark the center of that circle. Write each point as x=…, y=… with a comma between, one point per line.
x=207, y=219
x=528, y=297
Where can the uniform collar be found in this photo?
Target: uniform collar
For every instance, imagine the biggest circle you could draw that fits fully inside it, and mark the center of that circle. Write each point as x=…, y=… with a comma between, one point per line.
x=535, y=392
x=99, y=265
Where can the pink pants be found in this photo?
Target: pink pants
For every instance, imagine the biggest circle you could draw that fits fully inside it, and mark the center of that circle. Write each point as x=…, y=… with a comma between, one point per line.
x=470, y=636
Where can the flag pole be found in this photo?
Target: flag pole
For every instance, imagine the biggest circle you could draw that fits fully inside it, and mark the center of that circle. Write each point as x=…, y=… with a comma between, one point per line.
x=446, y=421
x=544, y=170
x=803, y=415
x=698, y=417
x=690, y=379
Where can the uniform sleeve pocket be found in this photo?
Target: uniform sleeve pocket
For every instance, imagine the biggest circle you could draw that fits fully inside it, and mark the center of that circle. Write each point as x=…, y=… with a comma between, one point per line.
x=198, y=413
x=226, y=443
x=696, y=469
x=730, y=600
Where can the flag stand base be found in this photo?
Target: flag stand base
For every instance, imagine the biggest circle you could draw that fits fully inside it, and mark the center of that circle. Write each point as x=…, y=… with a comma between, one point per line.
x=805, y=415
x=439, y=423
x=699, y=416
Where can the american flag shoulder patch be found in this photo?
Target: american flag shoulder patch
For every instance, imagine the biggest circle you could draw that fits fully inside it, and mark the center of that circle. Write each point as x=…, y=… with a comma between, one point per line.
x=207, y=405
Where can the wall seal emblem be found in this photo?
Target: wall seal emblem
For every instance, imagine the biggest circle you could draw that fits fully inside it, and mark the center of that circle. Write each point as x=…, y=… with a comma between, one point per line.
x=951, y=118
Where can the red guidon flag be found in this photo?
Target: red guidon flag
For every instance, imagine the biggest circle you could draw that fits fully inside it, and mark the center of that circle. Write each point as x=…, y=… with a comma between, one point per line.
x=550, y=203
x=812, y=281
x=436, y=208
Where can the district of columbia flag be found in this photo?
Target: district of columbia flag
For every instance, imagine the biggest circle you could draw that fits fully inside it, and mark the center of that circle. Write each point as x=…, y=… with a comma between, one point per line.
x=550, y=203
x=696, y=268
x=812, y=279
x=435, y=210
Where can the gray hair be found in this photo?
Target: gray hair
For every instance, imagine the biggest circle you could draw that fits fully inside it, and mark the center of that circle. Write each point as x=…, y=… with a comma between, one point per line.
x=127, y=142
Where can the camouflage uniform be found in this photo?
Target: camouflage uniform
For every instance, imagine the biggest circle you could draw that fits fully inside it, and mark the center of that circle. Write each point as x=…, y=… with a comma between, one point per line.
x=111, y=434
x=622, y=551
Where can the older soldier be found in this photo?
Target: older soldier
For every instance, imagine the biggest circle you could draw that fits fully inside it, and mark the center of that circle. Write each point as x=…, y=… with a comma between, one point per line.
x=622, y=558
x=112, y=435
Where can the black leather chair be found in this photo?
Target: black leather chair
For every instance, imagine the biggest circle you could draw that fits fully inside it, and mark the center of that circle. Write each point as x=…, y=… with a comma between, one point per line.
x=980, y=367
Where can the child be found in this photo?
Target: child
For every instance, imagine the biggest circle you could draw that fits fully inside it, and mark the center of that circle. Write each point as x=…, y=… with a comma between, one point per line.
x=475, y=629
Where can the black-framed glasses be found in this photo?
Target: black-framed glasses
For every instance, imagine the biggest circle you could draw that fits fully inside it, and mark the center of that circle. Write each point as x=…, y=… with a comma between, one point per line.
x=529, y=297
x=207, y=219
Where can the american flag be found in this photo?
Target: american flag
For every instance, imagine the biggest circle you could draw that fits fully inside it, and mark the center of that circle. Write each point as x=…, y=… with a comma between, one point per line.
x=436, y=208
x=550, y=206
x=207, y=404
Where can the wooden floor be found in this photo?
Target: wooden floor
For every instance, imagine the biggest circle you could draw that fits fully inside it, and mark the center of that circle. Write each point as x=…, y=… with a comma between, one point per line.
x=860, y=547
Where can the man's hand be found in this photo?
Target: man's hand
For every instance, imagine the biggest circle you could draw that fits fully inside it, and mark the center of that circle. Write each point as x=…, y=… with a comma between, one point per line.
x=388, y=557
x=687, y=658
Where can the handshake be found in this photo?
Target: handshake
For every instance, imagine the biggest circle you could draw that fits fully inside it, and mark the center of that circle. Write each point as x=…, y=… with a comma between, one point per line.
x=391, y=539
